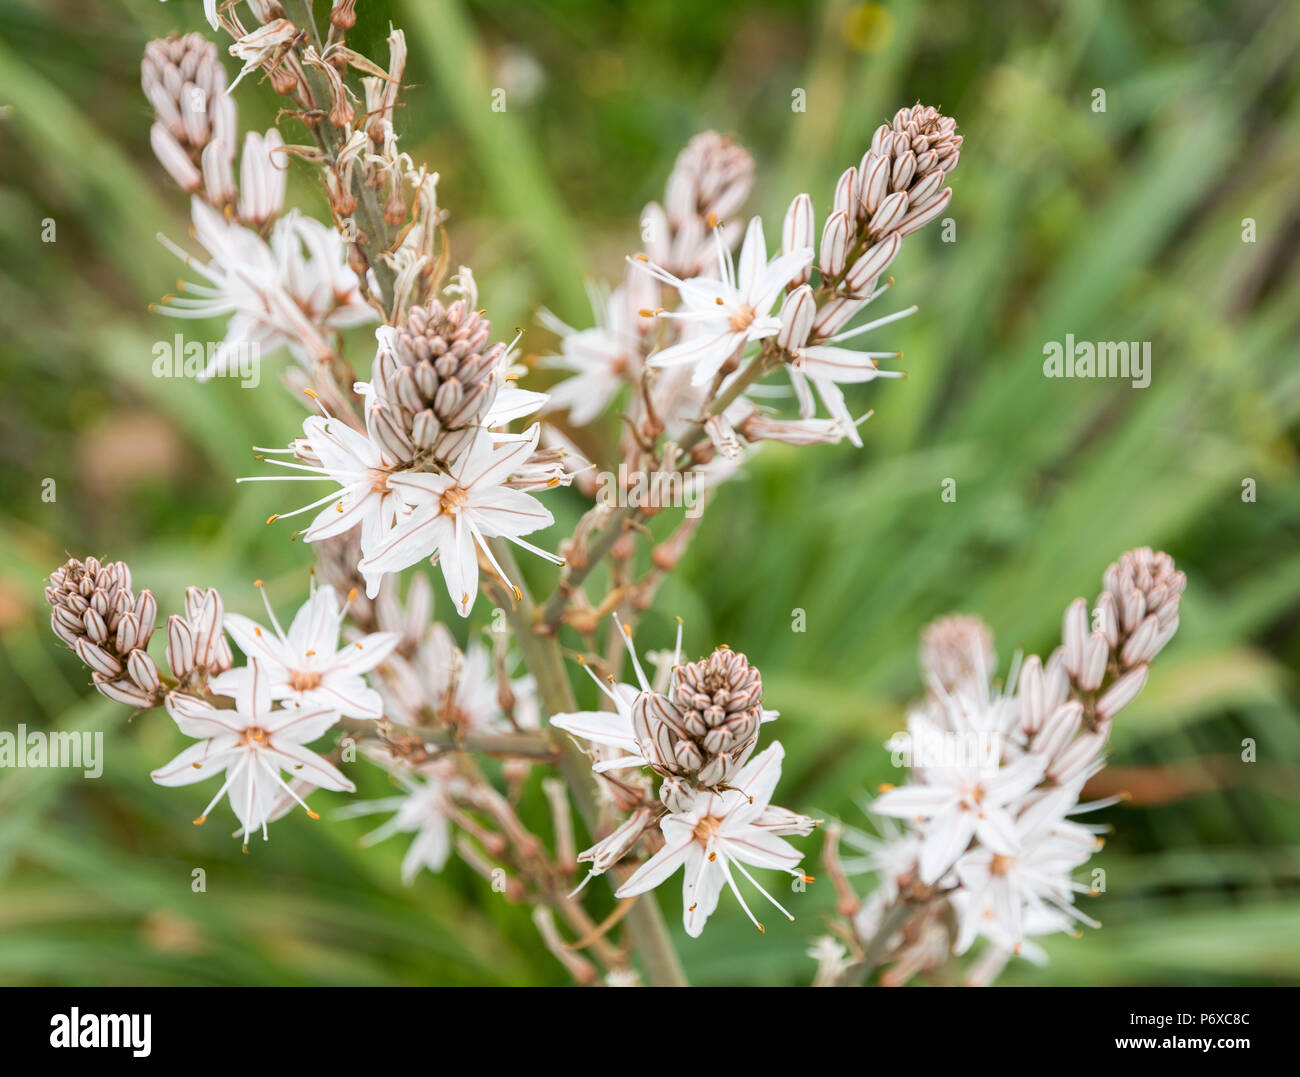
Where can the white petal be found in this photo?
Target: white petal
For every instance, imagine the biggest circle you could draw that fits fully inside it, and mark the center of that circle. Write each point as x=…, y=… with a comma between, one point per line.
x=316, y=624
x=658, y=868
x=759, y=847
x=599, y=727
x=304, y=763
x=502, y=512
x=753, y=259
x=366, y=653
x=701, y=887
x=255, y=641
x=202, y=720
x=945, y=840
x=198, y=761
x=914, y=801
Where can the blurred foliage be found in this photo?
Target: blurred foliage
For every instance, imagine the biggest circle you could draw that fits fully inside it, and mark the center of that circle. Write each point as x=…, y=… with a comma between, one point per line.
x=1119, y=225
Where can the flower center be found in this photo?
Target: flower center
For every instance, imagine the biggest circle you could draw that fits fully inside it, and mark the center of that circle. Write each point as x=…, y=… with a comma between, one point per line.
x=1001, y=864
x=706, y=828
x=453, y=499
x=302, y=681
x=254, y=736
x=742, y=318
x=378, y=480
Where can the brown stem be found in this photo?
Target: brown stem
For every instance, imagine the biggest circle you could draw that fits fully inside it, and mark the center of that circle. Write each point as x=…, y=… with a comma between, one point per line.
x=520, y=745
x=645, y=923
x=372, y=233
x=553, y=612
x=856, y=974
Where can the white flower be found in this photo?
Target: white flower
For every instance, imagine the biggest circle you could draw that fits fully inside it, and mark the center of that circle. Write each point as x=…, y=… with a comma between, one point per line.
x=600, y=357
x=361, y=468
x=832, y=958
x=425, y=809
x=827, y=365
x=613, y=729
x=457, y=512
x=723, y=315
x=306, y=665
x=717, y=833
x=1007, y=896
x=285, y=293
x=959, y=803
x=826, y=361
x=892, y=856
x=251, y=745
x=463, y=689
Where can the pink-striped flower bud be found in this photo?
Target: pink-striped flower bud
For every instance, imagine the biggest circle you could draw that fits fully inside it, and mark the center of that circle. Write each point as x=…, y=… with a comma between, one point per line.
x=918, y=217
x=867, y=269
x=1120, y=694
x=834, y=245
x=797, y=314
x=798, y=233
x=889, y=214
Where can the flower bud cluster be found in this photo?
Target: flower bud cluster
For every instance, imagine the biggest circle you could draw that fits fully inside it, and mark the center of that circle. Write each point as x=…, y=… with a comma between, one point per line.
x=96, y=613
x=708, y=728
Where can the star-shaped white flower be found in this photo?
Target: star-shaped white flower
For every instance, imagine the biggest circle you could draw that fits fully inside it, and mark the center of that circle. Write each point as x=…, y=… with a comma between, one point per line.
x=283, y=293
x=356, y=463
x=958, y=803
x=613, y=729
x=1009, y=896
x=305, y=665
x=720, y=831
x=251, y=744
x=722, y=315
x=825, y=365
x=600, y=358
x=454, y=514
x=424, y=808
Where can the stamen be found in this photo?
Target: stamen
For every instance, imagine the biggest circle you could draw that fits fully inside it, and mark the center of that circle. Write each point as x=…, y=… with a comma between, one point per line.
x=269, y=612
x=626, y=634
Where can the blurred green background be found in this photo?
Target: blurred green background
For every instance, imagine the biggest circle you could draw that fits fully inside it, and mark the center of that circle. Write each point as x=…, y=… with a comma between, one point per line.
x=1122, y=225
